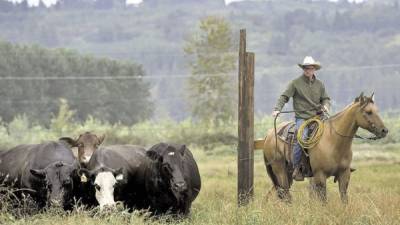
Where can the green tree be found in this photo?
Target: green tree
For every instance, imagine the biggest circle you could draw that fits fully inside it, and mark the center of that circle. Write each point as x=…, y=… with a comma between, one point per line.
x=98, y=94
x=212, y=61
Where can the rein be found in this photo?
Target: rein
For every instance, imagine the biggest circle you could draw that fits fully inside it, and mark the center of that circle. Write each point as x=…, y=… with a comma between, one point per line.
x=276, y=136
x=313, y=109
x=355, y=135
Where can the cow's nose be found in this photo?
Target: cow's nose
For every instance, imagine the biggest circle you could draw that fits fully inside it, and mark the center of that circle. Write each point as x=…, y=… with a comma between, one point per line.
x=55, y=202
x=108, y=207
x=180, y=186
x=85, y=159
x=385, y=130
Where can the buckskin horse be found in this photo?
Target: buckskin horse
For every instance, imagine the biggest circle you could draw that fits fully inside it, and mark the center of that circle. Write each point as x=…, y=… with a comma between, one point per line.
x=331, y=156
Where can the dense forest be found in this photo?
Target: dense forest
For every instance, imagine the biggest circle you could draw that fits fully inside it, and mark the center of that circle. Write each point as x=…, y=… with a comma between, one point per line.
x=357, y=44
x=35, y=81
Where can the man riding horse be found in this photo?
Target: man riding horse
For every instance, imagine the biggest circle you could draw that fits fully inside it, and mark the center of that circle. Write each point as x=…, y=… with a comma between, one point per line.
x=309, y=98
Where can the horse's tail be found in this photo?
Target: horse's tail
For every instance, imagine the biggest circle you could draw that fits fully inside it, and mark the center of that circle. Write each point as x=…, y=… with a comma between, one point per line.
x=259, y=144
x=271, y=173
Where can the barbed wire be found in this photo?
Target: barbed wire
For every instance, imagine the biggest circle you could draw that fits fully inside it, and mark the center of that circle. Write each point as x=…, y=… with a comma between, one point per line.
x=56, y=100
x=177, y=76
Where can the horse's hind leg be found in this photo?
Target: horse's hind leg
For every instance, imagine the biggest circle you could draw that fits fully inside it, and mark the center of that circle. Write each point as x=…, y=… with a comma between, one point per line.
x=281, y=183
x=344, y=179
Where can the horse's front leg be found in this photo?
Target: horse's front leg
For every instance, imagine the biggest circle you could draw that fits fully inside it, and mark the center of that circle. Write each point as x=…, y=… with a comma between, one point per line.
x=344, y=179
x=318, y=185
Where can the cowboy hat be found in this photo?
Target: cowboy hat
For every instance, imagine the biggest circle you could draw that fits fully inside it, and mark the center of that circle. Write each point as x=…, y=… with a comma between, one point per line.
x=309, y=61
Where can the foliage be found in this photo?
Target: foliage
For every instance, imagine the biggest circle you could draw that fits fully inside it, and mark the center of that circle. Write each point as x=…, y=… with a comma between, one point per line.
x=210, y=138
x=33, y=79
x=211, y=89
x=357, y=44
x=60, y=123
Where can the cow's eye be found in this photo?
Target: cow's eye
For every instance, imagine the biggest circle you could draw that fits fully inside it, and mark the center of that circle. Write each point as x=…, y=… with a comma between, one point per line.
x=97, y=187
x=167, y=168
x=80, y=145
x=67, y=182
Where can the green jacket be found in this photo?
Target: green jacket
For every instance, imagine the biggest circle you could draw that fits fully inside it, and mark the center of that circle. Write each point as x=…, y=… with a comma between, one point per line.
x=306, y=94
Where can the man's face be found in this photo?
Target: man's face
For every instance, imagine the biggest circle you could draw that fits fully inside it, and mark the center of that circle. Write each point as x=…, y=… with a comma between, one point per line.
x=309, y=71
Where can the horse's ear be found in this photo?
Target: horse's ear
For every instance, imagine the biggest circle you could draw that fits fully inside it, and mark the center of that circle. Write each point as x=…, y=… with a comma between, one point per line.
x=361, y=98
x=372, y=97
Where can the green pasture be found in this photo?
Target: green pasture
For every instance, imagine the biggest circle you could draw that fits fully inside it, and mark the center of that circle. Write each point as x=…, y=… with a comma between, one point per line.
x=374, y=196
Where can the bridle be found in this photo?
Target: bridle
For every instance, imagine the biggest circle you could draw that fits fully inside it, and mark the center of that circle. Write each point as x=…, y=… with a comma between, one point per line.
x=370, y=123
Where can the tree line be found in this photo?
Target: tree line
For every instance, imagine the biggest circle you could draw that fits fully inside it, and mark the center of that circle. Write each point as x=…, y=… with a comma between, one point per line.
x=357, y=44
x=34, y=80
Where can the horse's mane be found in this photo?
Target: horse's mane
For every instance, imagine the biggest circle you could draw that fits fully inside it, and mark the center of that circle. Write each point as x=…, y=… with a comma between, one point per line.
x=341, y=112
x=367, y=99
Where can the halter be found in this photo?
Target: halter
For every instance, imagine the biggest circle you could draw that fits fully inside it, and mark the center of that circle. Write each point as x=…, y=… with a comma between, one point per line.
x=371, y=124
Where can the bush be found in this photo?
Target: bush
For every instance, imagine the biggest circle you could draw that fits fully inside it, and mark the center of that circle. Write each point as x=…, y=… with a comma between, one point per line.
x=22, y=131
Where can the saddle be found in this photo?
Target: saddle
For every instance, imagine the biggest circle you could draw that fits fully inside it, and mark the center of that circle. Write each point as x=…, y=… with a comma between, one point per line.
x=288, y=134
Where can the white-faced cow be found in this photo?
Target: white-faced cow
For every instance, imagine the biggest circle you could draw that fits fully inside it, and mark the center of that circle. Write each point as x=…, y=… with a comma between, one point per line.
x=87, y=143
x=164, y=179
x=114, y=174
x=46, y=171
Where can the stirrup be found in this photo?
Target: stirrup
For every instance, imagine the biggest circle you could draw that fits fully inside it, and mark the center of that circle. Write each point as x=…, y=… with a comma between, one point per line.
x=297, y=175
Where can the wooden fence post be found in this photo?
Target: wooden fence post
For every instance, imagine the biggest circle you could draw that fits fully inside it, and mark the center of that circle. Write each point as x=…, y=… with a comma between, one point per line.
x=245, y=123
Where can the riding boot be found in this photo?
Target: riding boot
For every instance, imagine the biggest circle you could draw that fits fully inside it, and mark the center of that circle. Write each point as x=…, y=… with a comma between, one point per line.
x=297, y=174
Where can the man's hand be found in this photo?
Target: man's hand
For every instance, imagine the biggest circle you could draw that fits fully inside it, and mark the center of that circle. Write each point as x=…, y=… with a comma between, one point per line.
x=275, y=113
x=325, y=108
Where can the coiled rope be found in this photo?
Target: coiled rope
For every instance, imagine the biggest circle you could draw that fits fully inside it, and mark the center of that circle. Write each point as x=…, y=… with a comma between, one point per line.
x=312, y=138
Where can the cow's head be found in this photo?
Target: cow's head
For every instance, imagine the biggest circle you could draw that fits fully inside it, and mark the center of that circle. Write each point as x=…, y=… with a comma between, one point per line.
x=58, y=178
x=103, y=182
x=86, y=143
x=169, y=160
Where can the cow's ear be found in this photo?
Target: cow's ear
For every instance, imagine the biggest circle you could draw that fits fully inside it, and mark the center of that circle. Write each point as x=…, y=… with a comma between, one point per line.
x=101, y=138
x=119, y=174
x=38, y=173
x=84, y=175
x=69, y=141
x=182, y=150
x=153, y=155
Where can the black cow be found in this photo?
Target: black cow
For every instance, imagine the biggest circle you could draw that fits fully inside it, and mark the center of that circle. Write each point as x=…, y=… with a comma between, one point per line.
x=164, y=179
x=172, y=180
x=46, y=171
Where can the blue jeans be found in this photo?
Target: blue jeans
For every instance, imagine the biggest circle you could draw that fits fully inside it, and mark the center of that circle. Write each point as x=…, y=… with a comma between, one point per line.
x=297, y=151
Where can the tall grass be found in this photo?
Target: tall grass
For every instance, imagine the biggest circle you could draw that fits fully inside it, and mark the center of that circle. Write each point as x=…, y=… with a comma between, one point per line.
x=22, y=130
x=374, y=188
x=374, y=196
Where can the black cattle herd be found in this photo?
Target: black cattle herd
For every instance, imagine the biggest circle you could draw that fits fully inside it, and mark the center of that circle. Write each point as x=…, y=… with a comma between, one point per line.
x=163, y=179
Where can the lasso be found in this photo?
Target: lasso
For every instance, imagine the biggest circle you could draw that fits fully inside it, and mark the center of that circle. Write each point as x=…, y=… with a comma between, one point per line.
x=314, y=137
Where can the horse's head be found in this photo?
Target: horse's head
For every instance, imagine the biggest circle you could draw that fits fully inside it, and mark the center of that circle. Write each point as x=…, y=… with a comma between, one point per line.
x=367, y=116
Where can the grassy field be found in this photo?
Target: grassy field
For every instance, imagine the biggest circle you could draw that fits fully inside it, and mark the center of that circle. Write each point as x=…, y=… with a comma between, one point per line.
x=374, y=196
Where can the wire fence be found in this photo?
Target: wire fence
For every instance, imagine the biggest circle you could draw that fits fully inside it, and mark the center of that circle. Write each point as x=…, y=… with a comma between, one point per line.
x=180, y=76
